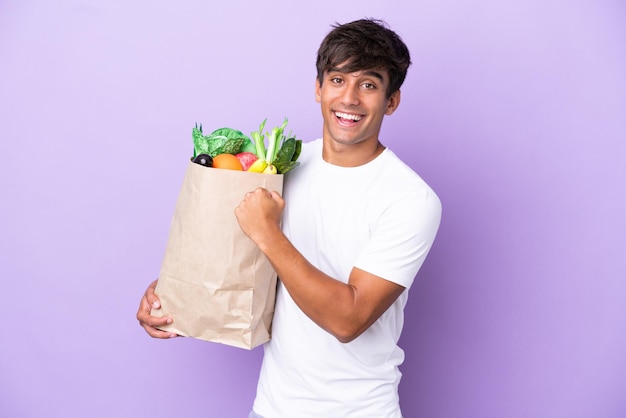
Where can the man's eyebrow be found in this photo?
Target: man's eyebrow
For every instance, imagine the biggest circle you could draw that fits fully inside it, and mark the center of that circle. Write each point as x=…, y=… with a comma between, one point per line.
x=373, y=73
x=370, y=73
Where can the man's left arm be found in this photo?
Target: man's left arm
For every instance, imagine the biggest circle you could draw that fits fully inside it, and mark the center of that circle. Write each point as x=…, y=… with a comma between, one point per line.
x=343, y=309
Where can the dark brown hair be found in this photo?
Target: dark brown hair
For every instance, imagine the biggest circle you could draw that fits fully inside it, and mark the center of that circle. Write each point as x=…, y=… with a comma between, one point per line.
x=365, y=44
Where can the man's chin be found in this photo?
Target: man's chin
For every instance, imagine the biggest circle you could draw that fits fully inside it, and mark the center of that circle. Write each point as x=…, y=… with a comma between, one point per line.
x=346, y=142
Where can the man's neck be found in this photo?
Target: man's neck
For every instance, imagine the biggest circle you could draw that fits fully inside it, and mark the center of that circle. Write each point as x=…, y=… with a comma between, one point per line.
x=351, y=155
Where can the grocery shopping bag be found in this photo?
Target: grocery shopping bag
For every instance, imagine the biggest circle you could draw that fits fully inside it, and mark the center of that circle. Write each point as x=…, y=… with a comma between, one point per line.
x=214, y=281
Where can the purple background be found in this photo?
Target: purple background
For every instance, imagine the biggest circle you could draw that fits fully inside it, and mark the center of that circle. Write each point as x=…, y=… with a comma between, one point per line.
x=515, y=112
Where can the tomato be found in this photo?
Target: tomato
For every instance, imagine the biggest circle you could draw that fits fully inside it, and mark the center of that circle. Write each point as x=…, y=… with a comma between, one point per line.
x=227, y=161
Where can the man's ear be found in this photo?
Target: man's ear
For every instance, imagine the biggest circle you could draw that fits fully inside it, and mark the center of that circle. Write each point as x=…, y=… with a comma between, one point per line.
x=393, y=102
x=318, y=91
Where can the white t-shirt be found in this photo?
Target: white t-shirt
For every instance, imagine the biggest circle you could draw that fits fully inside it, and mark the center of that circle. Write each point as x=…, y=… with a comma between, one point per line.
x=380, y=217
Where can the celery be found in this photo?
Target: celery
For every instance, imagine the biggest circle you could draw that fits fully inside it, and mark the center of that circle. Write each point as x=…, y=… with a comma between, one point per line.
x=274, y=142
x=259, y=140
x=281, y=151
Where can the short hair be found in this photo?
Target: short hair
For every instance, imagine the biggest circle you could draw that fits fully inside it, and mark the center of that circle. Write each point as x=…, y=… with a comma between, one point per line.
x=364, y=44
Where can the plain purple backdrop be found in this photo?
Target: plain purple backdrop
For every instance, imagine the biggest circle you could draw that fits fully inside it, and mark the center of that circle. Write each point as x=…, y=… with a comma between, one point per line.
x=515, y=112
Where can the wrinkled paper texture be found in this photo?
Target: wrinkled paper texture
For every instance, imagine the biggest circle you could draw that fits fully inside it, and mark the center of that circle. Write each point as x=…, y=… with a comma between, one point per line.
x=214, y=281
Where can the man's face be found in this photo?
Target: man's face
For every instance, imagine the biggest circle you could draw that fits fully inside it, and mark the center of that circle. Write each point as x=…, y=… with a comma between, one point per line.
x=354, y=104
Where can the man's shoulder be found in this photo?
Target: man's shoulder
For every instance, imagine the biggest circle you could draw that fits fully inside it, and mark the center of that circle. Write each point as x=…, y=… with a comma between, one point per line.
x=310, y=148
x=401, y=175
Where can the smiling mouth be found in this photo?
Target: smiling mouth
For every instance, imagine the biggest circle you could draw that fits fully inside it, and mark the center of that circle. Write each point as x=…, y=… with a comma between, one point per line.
x=348, y=117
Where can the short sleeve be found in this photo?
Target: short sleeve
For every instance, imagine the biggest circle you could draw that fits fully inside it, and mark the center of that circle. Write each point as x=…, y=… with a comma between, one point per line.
x=402, y=237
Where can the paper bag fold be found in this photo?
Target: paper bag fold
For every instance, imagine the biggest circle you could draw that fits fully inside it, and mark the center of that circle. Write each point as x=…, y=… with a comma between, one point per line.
x=214, y=281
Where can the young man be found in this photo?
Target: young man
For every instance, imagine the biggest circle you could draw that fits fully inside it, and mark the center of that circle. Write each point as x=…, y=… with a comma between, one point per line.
x=357, y=224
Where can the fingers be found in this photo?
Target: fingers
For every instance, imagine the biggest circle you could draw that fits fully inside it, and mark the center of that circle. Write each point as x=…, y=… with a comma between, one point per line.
x=256, y=194
x=149, y=322
x=157, y=333
x=278, y=198
x=261, y=196
x=152, y=298
x=263, y=192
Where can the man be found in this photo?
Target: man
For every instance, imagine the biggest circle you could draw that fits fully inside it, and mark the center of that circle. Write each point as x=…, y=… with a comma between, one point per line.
x=357, y=224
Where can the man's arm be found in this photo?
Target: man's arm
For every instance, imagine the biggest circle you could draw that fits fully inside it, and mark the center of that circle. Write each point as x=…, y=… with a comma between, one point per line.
x=345, y=310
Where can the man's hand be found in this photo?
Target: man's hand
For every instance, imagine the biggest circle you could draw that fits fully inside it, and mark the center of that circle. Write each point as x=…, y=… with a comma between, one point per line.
x=259, y=215
x=149, y=322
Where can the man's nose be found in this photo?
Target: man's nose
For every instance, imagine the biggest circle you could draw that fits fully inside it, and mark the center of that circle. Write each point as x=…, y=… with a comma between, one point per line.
x=350, y=95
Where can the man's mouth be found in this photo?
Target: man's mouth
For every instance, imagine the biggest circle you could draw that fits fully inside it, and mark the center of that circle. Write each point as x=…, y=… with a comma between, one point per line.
x=348, y=117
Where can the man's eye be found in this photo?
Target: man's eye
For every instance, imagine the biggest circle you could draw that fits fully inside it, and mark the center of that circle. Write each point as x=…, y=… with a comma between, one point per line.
x=369, y=86
x=336, y=80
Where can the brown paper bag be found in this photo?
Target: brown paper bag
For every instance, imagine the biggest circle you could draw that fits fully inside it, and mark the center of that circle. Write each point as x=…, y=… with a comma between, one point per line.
x=214, y=281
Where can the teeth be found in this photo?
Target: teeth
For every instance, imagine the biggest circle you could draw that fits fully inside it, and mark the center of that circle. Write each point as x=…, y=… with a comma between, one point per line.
x=355, y=118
